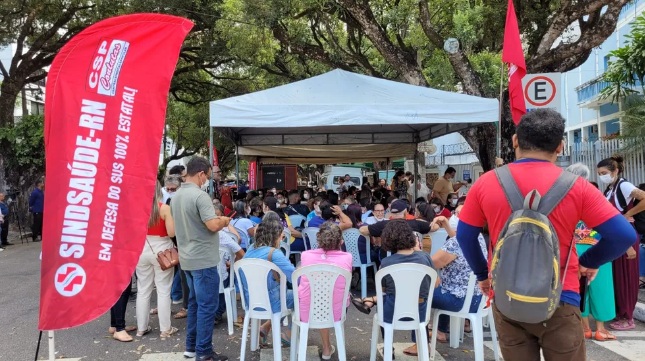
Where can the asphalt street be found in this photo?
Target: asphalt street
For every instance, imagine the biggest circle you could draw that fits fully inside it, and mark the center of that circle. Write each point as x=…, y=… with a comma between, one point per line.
x=19, y=300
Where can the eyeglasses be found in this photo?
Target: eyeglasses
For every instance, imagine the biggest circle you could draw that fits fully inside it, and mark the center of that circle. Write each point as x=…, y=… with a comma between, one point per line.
x=379, y=210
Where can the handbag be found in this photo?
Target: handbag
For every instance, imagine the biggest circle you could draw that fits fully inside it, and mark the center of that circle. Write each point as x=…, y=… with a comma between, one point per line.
x=168, y=258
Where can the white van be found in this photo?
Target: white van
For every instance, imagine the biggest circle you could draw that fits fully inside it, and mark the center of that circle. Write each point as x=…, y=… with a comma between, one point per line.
x=330, y=178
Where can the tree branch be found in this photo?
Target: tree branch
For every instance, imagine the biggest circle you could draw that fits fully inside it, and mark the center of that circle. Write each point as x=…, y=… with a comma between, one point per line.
x=569, y=12
x=569, y=56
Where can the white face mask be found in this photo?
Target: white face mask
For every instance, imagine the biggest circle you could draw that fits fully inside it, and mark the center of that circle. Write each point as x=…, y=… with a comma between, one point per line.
x=454, y=202
x=277, y=204
x=437, y=209
x=606, y=178
x=453, y=222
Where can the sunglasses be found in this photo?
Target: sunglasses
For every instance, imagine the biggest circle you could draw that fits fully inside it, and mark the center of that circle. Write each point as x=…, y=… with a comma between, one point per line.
x=171, y=190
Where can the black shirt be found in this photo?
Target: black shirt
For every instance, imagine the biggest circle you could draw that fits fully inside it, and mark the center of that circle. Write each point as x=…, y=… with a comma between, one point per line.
x=377, y=228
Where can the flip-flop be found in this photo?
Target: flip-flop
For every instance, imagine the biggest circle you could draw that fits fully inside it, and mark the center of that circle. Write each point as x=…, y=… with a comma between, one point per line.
x=360, y=305
x=604, y=336
x=143, y=333
x=438, y=339
x=285, y=341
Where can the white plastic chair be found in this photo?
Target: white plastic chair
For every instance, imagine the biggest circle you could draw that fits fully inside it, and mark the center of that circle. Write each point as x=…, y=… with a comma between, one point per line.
x=310, y=235
x=476, y=324
x=285, y=244
x=439, y=238
x=351, y=236
x=322, y=279
x=256, y=272
x=229, y=292
x=407, y=277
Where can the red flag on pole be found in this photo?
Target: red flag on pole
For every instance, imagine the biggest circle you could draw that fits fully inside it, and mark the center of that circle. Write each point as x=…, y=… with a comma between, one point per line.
x=513, y=55
x=106, y=103
x=215, y=157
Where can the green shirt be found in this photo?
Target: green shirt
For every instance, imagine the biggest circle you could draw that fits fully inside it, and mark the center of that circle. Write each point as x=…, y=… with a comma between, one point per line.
x=198, y=246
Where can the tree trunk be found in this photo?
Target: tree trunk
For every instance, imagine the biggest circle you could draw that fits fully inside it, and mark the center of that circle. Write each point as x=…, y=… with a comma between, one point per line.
x=479, y=138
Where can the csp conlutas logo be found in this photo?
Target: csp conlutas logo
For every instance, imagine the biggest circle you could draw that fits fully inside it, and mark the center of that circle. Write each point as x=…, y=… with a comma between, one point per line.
x=105, y=69
x=69, y=279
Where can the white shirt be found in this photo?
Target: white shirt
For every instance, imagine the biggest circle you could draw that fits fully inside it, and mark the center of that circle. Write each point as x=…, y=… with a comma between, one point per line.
x=243, y=225
x=626, y=190
x=371, y=220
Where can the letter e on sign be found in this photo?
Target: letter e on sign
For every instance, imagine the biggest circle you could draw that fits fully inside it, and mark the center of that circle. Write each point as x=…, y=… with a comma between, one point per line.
x=542, y=91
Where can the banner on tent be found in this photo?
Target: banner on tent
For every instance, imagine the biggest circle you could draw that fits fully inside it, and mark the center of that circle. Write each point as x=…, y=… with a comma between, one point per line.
x=253, y=165
x=106, y=102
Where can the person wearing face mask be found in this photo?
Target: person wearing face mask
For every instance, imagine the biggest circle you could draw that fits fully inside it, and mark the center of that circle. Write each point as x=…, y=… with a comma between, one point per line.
x=197, y=229
x=622, y=194
x=439, y=209
x=378, y=214
x=451, y=204
x=315, y=212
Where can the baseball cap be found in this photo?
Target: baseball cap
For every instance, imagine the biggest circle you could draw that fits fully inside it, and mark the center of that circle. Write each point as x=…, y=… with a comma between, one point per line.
x=399, y=206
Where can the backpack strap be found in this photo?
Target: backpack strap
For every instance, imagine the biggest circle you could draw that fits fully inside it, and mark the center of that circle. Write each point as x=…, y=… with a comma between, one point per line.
x=557, y=192
x=512, y=192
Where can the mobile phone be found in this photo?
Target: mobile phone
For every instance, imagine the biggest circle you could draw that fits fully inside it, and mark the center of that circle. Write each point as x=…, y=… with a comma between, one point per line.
x=583, y=293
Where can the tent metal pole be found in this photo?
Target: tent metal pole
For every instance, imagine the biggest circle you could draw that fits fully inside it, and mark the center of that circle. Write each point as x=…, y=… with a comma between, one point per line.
x=415, y=177
x=237, y=166
x=211, y=187
x=387, y=171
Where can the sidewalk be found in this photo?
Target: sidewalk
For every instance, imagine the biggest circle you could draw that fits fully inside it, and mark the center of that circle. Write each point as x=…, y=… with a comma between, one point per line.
x=639, y=313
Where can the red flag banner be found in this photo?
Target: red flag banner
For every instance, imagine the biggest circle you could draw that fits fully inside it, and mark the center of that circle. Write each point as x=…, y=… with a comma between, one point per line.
x=105, y=109
x=513, y=55
x=253, y=174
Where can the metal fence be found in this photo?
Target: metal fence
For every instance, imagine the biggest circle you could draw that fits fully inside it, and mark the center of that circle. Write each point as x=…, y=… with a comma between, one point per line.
x=590, y=153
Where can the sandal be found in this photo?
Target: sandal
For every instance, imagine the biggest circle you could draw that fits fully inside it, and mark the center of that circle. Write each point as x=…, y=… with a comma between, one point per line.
x=328, y=357
x=122, y=336
x=239, y=323
x=172, y=331
x=263, y=339
x=411, y=351
x=143, y=333
x=153, y=311
x=604, y=336
x=182, y=313
x=588, y=334
x=285, y=341
x=361, y=304
x=440, y=340
x=622, y=325
x=112, y=330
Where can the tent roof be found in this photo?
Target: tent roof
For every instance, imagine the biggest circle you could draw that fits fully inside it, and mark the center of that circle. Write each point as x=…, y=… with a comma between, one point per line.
x=339, y=110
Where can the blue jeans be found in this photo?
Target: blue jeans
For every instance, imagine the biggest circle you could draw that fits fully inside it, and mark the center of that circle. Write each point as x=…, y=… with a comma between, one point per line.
x=449, y=302
x=202, y=305
x=388, y=312
x=176, y=292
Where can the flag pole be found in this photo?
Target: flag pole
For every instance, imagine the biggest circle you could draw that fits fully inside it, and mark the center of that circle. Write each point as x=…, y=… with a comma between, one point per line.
x=52, y=346
x=501, y=112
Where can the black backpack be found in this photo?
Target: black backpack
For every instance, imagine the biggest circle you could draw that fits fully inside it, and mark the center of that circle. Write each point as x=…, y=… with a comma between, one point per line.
x=639, y=219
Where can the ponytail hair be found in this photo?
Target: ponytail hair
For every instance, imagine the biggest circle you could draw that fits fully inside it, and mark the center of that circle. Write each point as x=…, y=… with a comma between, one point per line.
x=616, y=162
x=155, y=217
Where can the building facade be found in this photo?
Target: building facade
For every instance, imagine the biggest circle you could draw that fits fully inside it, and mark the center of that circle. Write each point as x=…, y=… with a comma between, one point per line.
x=589, y=117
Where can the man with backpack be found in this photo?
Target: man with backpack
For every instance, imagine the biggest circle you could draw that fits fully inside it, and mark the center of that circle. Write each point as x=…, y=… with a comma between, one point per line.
x=532, y=207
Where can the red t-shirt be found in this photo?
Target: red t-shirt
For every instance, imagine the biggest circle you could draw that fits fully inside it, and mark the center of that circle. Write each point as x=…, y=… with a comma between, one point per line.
x=444, y=212
x=486, y=203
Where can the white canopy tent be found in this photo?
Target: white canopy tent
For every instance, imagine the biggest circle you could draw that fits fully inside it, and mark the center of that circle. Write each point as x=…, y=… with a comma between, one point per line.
x=341, y=116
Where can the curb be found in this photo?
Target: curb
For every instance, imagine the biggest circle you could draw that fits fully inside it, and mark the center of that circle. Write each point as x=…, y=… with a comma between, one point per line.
x=639, y=312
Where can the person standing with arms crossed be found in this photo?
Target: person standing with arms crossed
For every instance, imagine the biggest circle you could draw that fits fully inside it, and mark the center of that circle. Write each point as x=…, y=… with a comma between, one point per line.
x=537, y=143
x=196, y=229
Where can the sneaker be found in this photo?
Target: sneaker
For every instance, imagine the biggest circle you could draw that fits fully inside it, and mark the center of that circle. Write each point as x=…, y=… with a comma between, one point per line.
x=178, y=302
x=189, y=354
x=218, y=319
x=214, y=357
